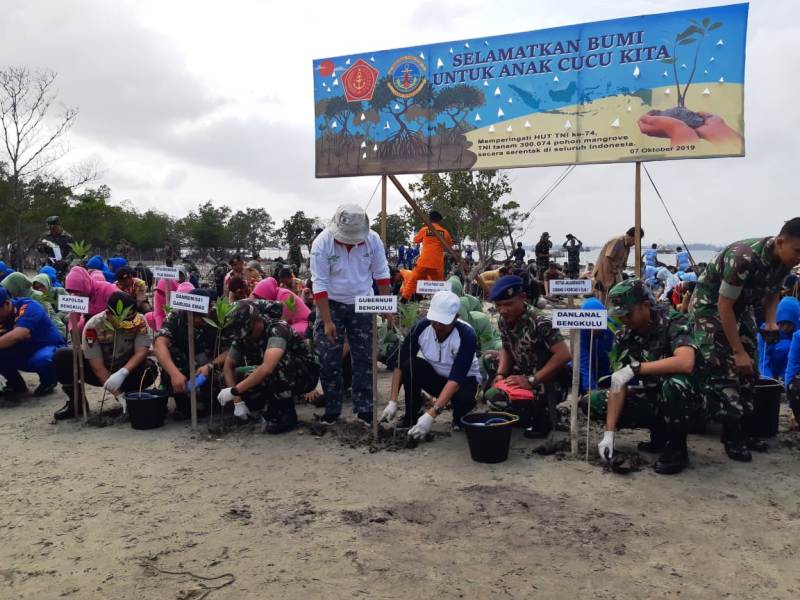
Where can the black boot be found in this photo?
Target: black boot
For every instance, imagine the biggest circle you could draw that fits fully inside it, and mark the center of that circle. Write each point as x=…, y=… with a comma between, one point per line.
x=68, y=410
x=754, y=443
x=658, y=440
x=675, y=457
x=65, y=412
x=541, y=424
x=735, y=442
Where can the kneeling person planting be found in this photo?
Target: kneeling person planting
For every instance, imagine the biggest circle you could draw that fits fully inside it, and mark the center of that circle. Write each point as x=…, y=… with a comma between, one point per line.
x=282, y=365
x=657, y=346
x=447, y=368
x=115, y=346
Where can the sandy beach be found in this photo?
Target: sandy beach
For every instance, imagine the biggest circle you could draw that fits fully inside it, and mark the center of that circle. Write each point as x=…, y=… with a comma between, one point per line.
x=88, y=511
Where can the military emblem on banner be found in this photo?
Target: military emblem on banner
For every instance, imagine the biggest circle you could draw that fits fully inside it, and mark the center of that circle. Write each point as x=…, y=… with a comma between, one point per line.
x=359, y=81
x=407, y=76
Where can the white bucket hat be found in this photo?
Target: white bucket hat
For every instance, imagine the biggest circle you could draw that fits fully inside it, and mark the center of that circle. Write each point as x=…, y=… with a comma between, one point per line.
x=444, y=307
x=350, y=224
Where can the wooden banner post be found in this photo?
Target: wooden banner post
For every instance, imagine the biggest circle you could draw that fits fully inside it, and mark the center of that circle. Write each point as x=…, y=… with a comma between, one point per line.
x=638, y=219
x=424, y=218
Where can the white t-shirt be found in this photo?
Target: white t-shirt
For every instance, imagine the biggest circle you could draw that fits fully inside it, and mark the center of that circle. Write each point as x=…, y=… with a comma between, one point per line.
x=345, y=274
x=442, y=355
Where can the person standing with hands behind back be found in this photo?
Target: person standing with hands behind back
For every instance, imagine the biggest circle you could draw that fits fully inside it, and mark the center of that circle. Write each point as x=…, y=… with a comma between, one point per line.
x=345, y=260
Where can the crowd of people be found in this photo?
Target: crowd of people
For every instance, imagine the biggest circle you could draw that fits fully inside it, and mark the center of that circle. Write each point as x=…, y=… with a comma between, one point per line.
x=685, y=344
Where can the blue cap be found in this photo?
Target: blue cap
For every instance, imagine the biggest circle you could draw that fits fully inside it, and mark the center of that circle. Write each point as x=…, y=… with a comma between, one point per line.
x=3, y=295
x=506, y=287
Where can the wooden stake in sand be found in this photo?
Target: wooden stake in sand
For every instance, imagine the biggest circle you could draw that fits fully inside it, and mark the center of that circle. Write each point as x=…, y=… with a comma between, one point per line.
x=375, y=305
x=76, y=306
x=575, y=320
x=191, y=303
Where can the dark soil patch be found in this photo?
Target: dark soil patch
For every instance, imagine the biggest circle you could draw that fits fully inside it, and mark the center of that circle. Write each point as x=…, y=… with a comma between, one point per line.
x=691, y=118
x=357, y=435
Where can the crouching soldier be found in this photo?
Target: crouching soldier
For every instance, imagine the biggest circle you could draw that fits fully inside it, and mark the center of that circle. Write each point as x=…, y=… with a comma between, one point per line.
x=171, y=348
x=285, y=365
x=115, y=344
x=533, y=356
x=655, y=345
x=438, y=356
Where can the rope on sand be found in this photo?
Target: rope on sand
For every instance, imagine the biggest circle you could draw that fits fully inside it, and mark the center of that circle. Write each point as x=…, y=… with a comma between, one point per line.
x=203, y=588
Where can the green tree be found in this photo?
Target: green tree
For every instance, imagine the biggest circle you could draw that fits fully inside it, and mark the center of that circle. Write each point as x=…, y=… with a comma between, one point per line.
x=471, y=203
x=398, y=229
x=298, y=231
x=31, y=137
x=206, y=229
x=252, y=229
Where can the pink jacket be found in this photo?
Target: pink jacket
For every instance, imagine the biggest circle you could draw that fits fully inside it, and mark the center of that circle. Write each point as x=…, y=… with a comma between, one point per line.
x=80, y=282
x=295, y=311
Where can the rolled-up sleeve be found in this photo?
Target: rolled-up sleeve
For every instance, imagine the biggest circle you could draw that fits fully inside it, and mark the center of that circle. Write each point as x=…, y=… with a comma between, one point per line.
x=379, y=265
x=320, y=267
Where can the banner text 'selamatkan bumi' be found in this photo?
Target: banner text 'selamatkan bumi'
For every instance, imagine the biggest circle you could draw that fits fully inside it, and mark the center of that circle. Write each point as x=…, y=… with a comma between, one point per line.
x=642, y=88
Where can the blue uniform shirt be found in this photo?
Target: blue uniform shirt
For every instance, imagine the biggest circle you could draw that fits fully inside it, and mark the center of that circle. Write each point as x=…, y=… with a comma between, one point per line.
x=29, y=314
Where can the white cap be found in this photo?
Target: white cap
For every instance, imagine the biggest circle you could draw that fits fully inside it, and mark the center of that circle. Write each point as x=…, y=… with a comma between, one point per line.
x=350, y=224
x=444, y=307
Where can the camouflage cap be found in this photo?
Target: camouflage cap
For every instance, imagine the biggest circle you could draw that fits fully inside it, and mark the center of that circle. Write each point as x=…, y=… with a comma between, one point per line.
x=625, y=295
x=247, y=311
x=54, y=220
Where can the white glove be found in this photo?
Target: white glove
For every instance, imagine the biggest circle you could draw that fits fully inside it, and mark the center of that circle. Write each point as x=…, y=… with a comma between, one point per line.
x=606, y=446
x=620, y=378
x=240, y=410
x=422, y=428
x=225, y=396
x=123, y=403
x=115, y=380
x=390, y=411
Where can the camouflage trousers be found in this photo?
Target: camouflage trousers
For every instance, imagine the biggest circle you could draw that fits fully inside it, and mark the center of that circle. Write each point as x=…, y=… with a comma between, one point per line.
x=729, y=395
x=676, y=402
x=358, y=329
x=275, y=395
x=793, y=396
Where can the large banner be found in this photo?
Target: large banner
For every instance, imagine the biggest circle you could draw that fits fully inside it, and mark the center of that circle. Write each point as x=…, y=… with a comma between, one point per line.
x=652, y=87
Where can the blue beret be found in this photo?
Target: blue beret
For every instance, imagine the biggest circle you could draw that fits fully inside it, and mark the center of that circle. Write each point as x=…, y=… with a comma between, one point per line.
x=3, y=295
x=506, y=287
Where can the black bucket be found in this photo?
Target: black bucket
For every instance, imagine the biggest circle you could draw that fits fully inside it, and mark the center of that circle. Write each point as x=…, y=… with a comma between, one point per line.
x=489, y=435
x=766, y=408
x=147, y=408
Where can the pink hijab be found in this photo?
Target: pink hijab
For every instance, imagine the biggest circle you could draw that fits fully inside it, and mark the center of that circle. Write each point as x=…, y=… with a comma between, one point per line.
x=80, y=280
x=156, y=318
x=297, y=316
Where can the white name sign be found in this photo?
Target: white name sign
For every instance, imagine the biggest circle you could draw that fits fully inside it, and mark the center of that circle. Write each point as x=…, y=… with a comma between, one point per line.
x=564, y=318
x=73, y=304
x=376, y=304
x=431, y=287
x=165, y=273
x=570, y=287
x=190, y=302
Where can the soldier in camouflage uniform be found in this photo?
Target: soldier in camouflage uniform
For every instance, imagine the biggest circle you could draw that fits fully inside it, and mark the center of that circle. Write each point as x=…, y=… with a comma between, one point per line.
x=285, y=365
x=171, y=348
x=744, y=275
x=656, y=345
x=57, y=237
x=533, y=355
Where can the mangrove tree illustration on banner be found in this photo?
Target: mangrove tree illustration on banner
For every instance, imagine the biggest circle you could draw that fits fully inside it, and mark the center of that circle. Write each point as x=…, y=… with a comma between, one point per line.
x=651, y=87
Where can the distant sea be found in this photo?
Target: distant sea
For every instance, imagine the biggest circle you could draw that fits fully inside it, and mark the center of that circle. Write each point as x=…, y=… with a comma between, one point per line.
x=699, y=256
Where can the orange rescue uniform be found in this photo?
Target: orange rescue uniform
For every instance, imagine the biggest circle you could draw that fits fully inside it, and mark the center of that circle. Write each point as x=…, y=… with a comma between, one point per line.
x=430, y=264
